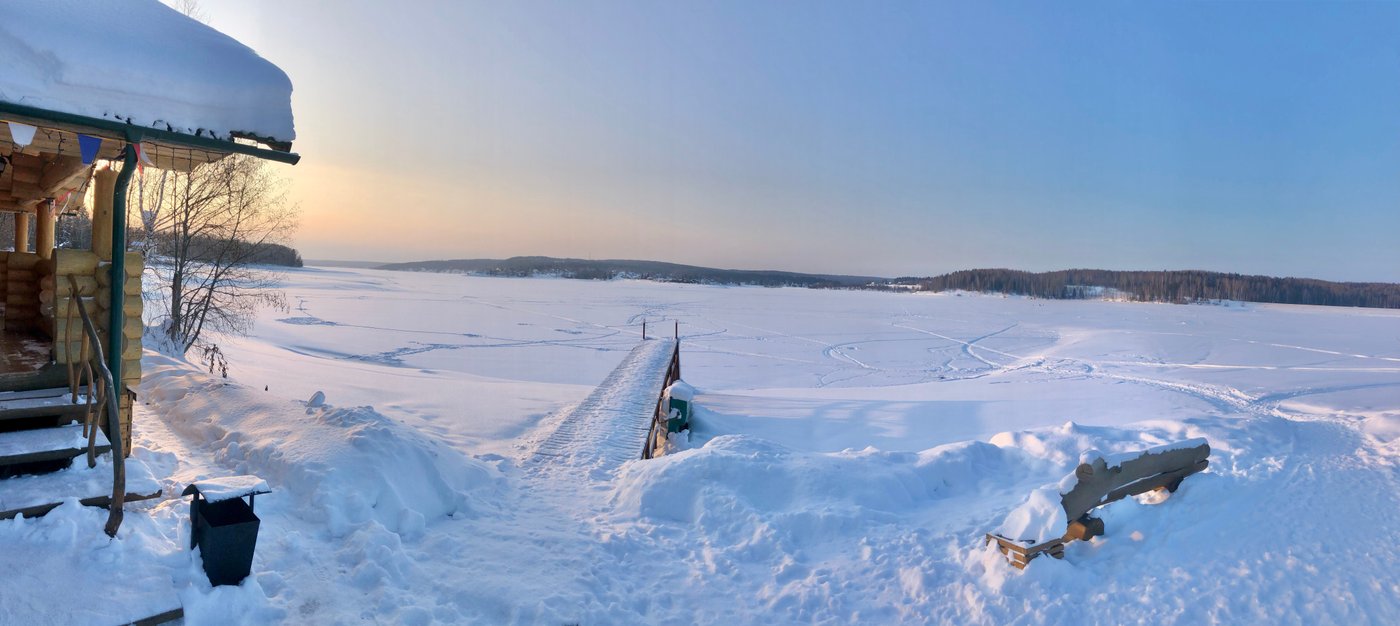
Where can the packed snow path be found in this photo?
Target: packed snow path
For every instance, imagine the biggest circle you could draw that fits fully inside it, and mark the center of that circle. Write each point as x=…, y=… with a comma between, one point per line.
x=611, y=425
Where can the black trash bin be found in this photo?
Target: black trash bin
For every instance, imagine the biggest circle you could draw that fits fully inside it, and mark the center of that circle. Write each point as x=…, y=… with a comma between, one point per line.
x=226, y=533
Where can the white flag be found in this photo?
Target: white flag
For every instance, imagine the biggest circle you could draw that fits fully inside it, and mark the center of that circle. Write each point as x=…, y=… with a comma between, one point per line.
x=22, y=134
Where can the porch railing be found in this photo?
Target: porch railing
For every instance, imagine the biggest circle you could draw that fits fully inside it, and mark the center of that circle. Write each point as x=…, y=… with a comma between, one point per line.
x=102, y=389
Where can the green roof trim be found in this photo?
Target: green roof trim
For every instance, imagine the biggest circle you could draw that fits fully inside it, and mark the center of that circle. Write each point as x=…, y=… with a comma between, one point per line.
x=279, y=151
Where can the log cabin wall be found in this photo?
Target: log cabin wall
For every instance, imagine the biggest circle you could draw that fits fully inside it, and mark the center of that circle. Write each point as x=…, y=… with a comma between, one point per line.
x=4, y=273
x=59, y=317
x=22, y=292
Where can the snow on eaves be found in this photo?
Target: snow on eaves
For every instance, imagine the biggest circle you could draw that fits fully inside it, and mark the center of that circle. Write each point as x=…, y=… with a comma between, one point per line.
x=142, y=62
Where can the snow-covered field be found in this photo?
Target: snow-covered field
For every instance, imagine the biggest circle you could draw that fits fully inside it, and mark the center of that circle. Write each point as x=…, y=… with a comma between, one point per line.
x=850, y=450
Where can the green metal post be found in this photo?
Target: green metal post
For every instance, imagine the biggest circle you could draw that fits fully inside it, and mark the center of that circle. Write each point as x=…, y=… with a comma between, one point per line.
x=118, y=281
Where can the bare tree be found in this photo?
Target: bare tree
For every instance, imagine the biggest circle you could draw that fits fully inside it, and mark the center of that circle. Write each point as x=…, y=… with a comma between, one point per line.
x=191, y=9
x=202, y=232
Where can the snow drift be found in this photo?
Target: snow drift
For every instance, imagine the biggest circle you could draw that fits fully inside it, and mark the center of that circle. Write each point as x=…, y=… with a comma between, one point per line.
x=343, y=465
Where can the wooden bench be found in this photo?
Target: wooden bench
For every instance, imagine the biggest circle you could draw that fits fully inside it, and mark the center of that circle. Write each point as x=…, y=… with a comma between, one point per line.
x=1106, y=479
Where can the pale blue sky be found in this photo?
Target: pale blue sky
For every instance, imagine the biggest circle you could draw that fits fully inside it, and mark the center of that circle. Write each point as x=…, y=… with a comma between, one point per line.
x=865, y=138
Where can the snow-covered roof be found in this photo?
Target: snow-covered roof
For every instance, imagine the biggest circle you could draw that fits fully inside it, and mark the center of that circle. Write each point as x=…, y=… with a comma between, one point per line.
x=142, y=62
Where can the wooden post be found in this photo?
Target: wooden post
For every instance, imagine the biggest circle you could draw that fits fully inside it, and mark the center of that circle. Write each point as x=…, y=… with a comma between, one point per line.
x=105, y=187
x=21, y=232
x=43, y=230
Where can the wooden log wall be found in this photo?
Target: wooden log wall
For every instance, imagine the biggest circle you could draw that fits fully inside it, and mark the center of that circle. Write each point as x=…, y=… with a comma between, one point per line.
x=60, y=318
x=4, y=274
x=64, y=325
x=132, y=325
x=132, y=328
x=22, y=292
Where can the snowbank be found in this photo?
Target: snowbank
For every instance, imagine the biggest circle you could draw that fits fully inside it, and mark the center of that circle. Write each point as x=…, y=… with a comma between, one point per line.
x=1038, y=520
x=142, y=62
x=343, y=466
x=737, y=483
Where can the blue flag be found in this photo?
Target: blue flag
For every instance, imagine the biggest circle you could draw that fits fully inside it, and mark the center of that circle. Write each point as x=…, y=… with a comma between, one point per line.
x=89, y=146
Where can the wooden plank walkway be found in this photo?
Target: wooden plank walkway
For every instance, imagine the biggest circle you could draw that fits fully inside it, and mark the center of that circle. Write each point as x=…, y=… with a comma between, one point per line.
x=611, y=425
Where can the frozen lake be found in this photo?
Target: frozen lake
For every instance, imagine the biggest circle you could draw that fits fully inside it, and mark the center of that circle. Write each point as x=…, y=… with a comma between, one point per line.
x=481, y=360
x=850, y=450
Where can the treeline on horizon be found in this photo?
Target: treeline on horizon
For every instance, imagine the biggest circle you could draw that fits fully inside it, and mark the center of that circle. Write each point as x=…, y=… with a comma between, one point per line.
x=608, y=269
x=1183, y=286
x=207, y=249
x=1179, y=286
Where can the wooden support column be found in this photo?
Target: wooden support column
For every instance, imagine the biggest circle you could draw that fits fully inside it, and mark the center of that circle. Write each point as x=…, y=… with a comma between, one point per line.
x=22, y=232
x=43, y=230
x=105, y=185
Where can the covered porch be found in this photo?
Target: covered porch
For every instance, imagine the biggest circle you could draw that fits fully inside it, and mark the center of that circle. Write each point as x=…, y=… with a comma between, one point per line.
x=76, y=133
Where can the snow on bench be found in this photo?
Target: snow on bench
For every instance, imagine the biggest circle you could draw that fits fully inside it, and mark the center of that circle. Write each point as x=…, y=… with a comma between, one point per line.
x=1053, y=516
x=611, y=425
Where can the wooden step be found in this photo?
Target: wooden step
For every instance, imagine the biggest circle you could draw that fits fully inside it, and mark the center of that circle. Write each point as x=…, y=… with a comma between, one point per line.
x=47, y=444
x=38, y=393
x=41, y=403
x=36, y=495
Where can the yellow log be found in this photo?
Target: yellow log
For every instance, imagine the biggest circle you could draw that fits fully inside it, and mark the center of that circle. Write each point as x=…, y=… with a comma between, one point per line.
x=87, y=286
x=73, y=350
x=128, y=299
x=21, y=260
x=80, y=262
x=131, y=328
x=71, y=327
x=132, y=286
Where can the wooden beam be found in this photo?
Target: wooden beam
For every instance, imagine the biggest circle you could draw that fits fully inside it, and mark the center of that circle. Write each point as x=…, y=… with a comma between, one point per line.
x=104, y=186
x=58, y=172
x=44, y=230
x=21, y=232
x=25, y=174
x=27, y=191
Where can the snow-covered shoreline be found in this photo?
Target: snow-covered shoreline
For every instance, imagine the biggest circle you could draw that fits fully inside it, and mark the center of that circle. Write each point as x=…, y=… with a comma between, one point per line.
x=849, y=452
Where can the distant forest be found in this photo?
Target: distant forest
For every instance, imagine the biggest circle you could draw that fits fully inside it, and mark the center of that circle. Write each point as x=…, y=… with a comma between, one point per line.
x=1165, y=286
x=260, y=253
x=527, y=266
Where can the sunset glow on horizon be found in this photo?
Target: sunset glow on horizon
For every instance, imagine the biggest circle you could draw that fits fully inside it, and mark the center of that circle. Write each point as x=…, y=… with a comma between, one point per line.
x=889, y=139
